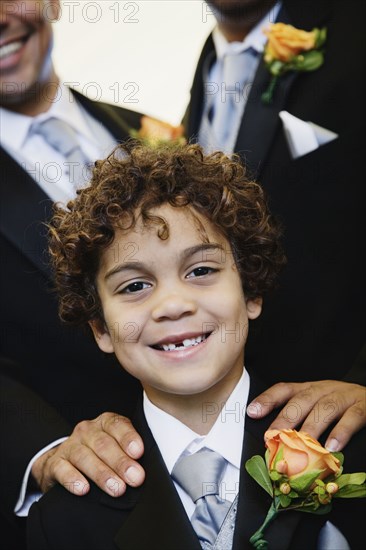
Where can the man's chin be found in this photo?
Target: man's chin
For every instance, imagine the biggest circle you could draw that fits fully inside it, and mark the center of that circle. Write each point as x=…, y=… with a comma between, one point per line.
x=240, y=10
x=18, y=95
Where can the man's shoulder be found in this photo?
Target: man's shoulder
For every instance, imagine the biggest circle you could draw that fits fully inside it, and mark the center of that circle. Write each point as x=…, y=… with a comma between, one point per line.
x=115, y=117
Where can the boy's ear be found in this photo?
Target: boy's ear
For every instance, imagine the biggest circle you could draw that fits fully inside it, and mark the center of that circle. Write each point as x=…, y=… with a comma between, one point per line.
x=254, y=307
x=102, y=336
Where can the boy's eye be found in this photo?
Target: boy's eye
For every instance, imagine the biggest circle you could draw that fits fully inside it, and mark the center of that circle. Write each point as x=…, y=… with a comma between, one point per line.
x=200, y=272
x=135, y=287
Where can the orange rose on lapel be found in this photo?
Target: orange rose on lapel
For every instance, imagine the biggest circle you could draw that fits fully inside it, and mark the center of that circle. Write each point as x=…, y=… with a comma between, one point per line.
x=285, y=41
x=291, y=49
x=299, y=474
x=296, y=454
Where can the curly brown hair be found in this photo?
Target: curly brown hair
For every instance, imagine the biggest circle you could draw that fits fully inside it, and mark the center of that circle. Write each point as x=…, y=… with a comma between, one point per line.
x=133, y=181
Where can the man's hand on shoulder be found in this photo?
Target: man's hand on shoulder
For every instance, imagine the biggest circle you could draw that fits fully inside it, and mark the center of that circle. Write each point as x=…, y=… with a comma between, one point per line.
x=315, y=406
x=105, y=450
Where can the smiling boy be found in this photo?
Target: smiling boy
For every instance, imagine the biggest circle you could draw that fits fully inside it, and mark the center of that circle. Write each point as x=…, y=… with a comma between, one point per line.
x=167, y=255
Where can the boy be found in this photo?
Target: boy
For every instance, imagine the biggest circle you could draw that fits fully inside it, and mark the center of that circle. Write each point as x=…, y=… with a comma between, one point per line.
x=167, y=255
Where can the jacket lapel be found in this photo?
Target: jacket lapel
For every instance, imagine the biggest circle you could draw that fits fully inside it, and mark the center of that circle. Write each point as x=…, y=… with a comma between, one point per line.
x=260, y=121
x=118, y=121
x=23, y=202
x=156, y=519
x=254, y=502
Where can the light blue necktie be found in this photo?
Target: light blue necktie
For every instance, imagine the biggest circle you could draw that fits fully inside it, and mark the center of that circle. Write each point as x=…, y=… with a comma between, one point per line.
x=224, y=109
x=200, y=475
x=64, y=139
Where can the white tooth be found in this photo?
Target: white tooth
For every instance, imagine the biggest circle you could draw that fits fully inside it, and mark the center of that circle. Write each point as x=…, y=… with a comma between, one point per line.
x=165, y=347
x=199, y=339
x=187, y=342
x=171, y=347
x=8, y=49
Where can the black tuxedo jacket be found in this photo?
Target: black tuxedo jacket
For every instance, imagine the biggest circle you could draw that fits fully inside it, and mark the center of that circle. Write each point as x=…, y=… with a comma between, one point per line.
x=315, y=325
x=63, y=365
x=152, y=517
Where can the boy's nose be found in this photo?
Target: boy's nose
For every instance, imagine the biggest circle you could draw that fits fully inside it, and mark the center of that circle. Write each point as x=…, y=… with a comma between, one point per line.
x=173, y=306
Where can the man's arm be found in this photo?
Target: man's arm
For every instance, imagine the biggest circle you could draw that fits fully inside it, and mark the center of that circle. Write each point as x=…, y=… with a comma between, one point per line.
x=28, y=424
x=104, y=449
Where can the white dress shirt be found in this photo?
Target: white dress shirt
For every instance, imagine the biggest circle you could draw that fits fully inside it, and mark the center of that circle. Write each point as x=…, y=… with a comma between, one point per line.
x=225, y=437
x=45, y=164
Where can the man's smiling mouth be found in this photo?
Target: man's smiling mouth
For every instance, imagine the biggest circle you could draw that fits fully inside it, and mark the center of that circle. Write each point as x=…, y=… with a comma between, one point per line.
x=184, y=344
x=13, y=47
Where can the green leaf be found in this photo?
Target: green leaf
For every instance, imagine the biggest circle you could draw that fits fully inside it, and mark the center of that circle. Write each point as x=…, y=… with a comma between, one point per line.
x=279, y=456
x=309, y=61
x=274, y=475
x=303, y=482
x=285, y=500
x=256, y=467
x=351, y=479
x=351, y=491
x=276, y=67
x=321, y=36
x=313, y=509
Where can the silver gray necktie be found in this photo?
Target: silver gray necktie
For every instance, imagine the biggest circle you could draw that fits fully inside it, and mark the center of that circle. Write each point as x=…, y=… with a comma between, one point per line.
x=200, y=475
x=224, y=109
x=63, y=138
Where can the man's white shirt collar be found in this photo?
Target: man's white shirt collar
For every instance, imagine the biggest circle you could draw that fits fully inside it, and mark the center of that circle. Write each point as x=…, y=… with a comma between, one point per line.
x=65, y=107
x=255, y=39
x=225, y=437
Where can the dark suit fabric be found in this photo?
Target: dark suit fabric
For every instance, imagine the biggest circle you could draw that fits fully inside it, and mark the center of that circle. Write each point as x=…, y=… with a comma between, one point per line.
x=314, y=326
x=153, y=518
x=63, y=365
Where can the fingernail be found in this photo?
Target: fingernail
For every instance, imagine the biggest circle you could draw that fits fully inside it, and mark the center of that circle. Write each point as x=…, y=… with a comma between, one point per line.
x=254, y=409
x=114, y=486
x=332, y=445
x=133, y=448
x=133, y=475
x=78, y=487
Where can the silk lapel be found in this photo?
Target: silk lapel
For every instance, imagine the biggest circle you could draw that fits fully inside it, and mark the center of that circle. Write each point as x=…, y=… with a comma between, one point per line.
x=260, y=121
x=192, y=117
x=24, y=208
x=254, y=502
x=118, y=121
x=157, y=519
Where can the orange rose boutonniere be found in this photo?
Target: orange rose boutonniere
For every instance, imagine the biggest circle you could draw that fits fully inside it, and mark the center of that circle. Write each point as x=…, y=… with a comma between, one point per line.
x=154, y=132
x=291, y=49
x=300, y=475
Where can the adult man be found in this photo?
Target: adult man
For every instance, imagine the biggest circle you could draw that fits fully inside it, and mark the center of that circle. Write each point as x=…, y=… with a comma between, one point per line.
x=325, y=275
x=73, y=377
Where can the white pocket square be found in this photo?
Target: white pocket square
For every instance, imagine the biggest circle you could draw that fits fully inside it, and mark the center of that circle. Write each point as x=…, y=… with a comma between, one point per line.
x=303, y=137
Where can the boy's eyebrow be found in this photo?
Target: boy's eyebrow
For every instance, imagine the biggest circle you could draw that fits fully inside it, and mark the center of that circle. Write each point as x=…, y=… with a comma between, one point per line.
x=191, y=251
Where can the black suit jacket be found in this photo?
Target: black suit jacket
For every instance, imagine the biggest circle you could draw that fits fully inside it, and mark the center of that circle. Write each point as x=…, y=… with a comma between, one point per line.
x=63, y=365
x=315, y=325
x=152, y=517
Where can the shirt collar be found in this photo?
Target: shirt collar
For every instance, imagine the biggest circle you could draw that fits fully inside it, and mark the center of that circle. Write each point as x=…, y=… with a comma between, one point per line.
x=225, y=437
x=65, y=107
x=256, y=39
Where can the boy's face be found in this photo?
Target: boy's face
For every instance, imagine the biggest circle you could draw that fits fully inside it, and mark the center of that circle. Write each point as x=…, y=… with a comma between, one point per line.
x=174, y=309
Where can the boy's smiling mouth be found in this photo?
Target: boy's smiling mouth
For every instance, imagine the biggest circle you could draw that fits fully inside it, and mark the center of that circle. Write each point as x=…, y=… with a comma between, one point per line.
x=180, y=343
